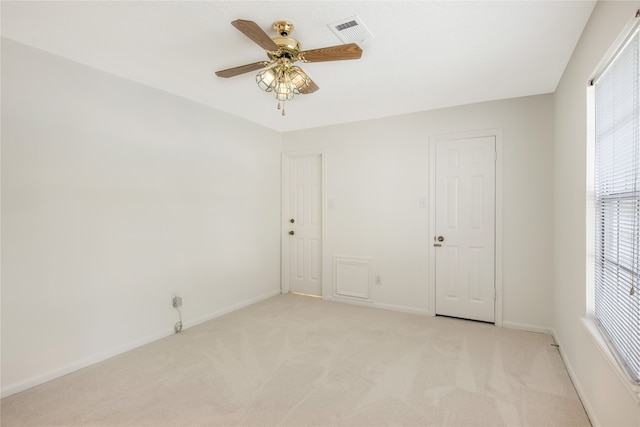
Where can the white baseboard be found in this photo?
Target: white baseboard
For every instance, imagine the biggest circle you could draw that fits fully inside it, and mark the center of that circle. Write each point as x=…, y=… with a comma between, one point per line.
x=234, y=307
x=104, y=355
x=391, y=307
x=527, y=327
x=425, y=312
x=576, y=383
x=82, y=363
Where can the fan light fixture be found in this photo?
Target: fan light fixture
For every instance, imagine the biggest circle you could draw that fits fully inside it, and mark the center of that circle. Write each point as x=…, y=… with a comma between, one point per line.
x=284, y=80
x=278, y=75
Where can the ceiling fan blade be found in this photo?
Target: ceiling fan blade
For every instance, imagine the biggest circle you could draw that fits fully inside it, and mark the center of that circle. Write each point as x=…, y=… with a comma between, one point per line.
x=333, y=53
x=255, y=33
x=230, y=72
x=310, y=88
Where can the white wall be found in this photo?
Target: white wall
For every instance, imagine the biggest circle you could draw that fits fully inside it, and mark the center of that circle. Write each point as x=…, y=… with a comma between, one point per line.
x=377, y=171
x=115, y=195
x=608, y=401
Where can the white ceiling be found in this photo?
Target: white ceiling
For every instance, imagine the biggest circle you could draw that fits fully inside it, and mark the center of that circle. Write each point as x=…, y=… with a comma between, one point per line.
x=424, y=54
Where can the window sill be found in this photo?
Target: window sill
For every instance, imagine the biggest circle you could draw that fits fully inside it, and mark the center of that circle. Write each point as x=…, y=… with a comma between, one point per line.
x=599, y=340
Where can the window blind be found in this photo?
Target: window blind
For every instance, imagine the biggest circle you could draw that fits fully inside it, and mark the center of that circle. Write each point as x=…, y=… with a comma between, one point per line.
x=617, y=204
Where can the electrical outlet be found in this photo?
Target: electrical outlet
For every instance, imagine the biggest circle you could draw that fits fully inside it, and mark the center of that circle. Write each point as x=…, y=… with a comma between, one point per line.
x=378, y=280
x=177, y=302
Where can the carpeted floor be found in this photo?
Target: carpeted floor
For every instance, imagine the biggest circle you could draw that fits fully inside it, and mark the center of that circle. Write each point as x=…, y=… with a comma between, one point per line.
x=298, y=361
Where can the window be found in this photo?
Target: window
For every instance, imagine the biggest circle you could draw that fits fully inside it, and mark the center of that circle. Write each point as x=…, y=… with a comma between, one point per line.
x=617, y=204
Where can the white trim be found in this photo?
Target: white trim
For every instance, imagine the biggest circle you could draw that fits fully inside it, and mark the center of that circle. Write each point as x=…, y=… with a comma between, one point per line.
x=498, y=261
x=591, y=413
x=107, y=354
x=366, y=264
x=431, y=290
x=431, y=279
x=528, y=328
x=600, y=342
x=82, y=363
x=625, y=36
x=284, y=245
x=588, y=322
x=284, y=242
x=590, y=214
x=378, y=306
x=232, y=308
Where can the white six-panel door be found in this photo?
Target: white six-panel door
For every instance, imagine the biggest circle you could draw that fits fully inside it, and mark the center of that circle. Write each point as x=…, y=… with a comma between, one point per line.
x=464, y=237
x=303, y=224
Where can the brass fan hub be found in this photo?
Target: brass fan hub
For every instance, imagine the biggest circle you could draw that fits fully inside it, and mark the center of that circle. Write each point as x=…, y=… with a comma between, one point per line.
x=287, y=43
x=287, y=48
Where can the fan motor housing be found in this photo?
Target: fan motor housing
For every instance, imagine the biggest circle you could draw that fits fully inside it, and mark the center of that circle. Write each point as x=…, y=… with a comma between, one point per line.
x=287, y=43
x=287, y=48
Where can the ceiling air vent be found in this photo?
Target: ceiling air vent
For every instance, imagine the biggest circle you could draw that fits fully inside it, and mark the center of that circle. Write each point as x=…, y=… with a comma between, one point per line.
x=351, y=30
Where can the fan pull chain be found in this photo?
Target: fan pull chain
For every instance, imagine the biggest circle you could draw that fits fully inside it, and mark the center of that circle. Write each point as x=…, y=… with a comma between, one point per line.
x=281, y=107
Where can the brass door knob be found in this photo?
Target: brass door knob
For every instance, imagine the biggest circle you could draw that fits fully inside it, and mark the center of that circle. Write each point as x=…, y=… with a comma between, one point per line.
x=292, y=232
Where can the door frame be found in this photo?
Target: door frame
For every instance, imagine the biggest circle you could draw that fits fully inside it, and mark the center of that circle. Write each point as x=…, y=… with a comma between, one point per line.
x=284, y=222
x=431, y=291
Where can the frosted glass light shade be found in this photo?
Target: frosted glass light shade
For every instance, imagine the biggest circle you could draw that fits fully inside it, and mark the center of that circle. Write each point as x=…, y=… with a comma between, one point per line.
x=266, y=79
x=299, y=78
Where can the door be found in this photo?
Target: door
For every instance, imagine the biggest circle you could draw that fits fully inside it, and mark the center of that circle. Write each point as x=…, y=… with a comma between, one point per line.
x=465, y=228
x=303, y=224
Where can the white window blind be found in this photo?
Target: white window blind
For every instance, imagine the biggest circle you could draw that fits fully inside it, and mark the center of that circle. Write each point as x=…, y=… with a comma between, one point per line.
x=617, y=204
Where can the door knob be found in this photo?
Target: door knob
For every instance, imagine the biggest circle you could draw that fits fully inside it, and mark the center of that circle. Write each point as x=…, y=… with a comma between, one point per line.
x=440, y=239
x=292, y=232
x=292, y=220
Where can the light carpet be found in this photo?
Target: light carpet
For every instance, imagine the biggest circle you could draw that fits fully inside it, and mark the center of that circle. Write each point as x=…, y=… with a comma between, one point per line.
x=299, y=361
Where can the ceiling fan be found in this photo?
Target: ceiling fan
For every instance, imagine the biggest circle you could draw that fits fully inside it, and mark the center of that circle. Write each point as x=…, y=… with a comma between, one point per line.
x=278, y=75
